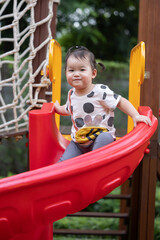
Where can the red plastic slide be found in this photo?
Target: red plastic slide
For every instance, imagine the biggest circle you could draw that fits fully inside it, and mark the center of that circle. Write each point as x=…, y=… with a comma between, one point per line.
x=30, y=202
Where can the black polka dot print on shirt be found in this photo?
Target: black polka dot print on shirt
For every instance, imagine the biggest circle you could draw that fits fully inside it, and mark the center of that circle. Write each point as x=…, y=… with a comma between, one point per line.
x=88, y=108
x=110, y=121
x=90, y=94
x=104, y=95
x=115, y=95
x=79, y=122
x=103, y=87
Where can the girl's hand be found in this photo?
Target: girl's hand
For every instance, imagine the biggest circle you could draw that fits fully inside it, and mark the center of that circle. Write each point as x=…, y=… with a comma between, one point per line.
x=56, y=105
x=142, y=118
x=61, y=110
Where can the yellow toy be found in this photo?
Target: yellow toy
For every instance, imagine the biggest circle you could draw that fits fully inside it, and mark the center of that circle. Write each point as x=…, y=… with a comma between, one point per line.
x=86, y=134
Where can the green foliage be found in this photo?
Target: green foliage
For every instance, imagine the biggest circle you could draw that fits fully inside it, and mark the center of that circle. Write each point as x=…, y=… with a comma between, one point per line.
x=108, y=28
x=86, y=223
x=157, y=213
x=13, y=157
x=116, y=70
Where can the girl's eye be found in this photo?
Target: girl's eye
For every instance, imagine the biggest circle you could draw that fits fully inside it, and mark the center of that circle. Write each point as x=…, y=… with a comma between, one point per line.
x=70, y=70
x=82, y=69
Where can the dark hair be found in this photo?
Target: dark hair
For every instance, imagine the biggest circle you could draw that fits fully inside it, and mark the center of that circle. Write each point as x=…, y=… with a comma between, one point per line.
x=82, y=52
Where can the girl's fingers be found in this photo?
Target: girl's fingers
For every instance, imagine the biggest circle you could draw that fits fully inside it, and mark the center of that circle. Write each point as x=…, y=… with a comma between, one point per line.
x=144, y=119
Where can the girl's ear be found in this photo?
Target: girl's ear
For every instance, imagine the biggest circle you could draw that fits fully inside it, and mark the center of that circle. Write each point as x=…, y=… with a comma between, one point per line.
x=94, y=73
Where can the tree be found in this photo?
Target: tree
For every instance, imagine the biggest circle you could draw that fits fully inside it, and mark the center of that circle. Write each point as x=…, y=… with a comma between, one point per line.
x=109, y=28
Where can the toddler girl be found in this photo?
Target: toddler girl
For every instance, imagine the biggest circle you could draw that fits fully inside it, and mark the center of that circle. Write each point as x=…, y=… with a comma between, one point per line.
x=90, y=105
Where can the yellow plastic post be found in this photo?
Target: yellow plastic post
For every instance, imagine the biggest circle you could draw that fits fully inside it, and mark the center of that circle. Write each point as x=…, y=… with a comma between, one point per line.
x=136, y=77
x=55, y=65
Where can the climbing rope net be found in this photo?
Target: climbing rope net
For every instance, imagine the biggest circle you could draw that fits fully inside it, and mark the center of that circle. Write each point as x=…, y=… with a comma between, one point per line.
x=19, y=92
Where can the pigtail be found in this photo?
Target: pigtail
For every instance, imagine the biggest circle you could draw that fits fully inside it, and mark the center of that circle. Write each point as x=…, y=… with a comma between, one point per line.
x=101, y=65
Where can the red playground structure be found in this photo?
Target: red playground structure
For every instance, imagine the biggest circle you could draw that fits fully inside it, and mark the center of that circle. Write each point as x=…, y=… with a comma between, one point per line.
x=32, y=201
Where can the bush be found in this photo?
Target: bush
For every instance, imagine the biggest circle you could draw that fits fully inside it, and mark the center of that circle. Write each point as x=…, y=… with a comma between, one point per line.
x=13, y=156
x=157, y=213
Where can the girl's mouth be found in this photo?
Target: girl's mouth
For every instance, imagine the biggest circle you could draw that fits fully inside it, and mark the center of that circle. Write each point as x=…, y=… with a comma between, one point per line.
x=76, y=79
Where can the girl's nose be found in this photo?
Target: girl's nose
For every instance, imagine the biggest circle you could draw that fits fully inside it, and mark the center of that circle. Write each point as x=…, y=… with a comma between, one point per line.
x=76, y=73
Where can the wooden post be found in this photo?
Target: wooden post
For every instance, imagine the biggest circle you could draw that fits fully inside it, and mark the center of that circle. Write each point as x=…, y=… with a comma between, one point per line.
x=144, y=178
x=41, y=11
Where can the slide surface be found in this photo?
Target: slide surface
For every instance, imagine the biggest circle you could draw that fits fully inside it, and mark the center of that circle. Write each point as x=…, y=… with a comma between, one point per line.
x=35, y=199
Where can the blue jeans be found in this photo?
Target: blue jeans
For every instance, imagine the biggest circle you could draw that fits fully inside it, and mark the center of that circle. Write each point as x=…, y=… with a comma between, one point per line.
x=75, y=149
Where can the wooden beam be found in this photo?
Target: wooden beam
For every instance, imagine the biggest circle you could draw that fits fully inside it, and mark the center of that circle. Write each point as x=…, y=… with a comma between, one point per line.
x=99, y=215
x=144, y=178
x=41, y=12
x=149, y=25
x=90, y=232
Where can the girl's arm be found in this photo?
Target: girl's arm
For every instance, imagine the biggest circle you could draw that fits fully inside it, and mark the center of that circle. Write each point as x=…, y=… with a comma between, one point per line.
x=61, y=110
x=125, y=106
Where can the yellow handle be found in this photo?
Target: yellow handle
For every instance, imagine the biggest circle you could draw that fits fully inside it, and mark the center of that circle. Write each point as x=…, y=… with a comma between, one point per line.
x=136, y=77
x=55, y=65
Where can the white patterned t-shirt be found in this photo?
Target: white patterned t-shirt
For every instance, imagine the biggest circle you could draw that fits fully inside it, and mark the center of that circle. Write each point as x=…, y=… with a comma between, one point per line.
x=93, y=109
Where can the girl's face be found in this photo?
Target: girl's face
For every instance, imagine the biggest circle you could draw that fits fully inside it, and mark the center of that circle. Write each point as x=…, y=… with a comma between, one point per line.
x=79, y=74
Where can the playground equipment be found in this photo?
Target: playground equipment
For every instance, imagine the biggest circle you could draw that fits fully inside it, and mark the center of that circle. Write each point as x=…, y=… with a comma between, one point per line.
x=136, y=77
x=24, y=57
x=15, y=228
x=32, y=201
x=55, y=67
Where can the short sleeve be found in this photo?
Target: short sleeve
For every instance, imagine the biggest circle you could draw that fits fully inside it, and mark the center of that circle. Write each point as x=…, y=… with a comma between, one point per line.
x=109, y=98
x=68, y=106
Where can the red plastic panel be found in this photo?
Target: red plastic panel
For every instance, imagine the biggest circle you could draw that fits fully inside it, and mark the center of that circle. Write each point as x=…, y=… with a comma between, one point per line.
x=31, y=201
